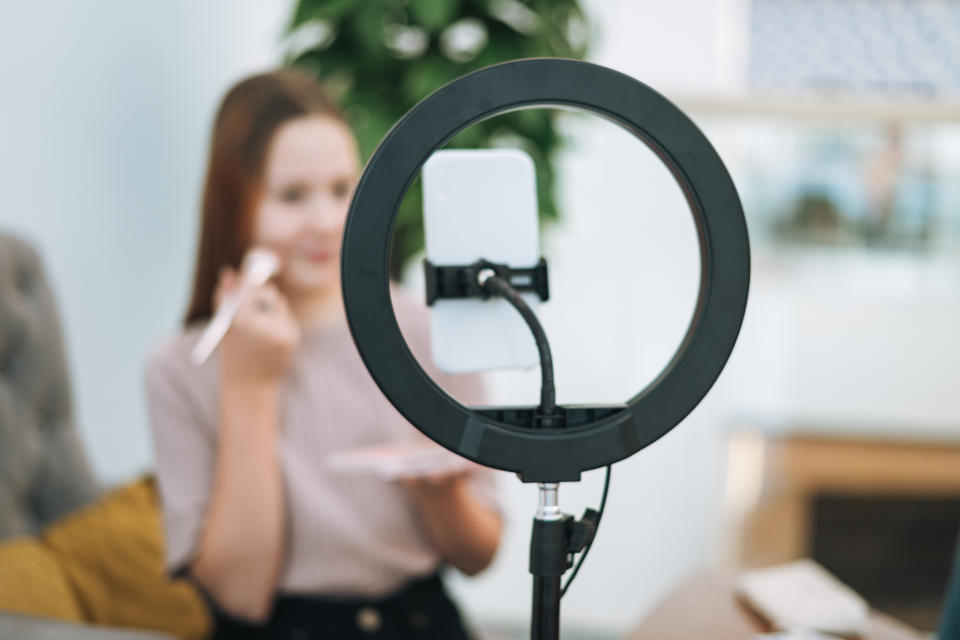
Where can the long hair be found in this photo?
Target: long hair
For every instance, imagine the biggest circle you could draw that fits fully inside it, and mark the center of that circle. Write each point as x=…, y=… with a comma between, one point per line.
x=246, y=122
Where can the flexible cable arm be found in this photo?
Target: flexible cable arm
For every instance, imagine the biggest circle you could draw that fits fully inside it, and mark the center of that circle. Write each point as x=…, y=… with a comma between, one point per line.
x=500, y=287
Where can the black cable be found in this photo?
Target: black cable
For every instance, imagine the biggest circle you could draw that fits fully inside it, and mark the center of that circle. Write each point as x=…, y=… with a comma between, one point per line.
x=499, y=286
x=502, y=288
x=603, y=503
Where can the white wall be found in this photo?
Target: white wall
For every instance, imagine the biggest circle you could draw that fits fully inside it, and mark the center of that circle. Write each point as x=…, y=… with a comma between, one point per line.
x=104, y=123
x=859, y=342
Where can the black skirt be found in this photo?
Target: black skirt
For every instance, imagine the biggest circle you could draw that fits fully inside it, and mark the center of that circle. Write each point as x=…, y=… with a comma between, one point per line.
x=422, y=610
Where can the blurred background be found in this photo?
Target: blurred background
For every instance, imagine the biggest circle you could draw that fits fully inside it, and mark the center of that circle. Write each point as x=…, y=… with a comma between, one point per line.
x=833, y=433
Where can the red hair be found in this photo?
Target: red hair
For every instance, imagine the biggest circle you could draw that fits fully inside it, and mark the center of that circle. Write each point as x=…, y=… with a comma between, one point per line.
x=246, y=122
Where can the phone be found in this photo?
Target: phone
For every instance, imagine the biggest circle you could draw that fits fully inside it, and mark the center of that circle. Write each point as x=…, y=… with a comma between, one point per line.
x=481, y=204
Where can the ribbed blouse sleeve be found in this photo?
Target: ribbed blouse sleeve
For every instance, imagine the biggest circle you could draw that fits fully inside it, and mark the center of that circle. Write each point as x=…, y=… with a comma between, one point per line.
x=184, y=451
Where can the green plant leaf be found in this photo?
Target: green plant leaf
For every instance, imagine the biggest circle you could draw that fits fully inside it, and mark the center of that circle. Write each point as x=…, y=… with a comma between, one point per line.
x=434, y=15
x=366, y=25
x=330, y=10
x=375, y=89
x=423, y=77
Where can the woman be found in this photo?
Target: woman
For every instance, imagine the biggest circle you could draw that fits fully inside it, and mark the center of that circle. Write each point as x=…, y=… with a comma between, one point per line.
x=283, y=545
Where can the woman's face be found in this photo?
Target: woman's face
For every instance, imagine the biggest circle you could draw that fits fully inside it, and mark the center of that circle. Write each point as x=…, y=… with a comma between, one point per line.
x=311, y=170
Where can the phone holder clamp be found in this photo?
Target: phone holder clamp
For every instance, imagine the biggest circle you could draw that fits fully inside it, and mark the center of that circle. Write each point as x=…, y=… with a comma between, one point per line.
x=464, y=281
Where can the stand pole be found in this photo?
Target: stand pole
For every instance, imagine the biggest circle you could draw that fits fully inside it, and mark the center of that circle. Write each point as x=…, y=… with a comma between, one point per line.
x=546, y=608
x=549, y=558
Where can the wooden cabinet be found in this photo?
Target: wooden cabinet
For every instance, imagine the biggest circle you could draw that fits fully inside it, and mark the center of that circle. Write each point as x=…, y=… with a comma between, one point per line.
x=881, y=515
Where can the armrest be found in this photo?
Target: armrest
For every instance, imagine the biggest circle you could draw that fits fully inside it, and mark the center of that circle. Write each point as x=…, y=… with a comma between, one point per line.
x=27, y=628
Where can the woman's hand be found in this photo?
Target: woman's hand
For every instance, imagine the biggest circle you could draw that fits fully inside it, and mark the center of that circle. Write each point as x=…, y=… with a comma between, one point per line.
x=463, y=529
x=264, y=334
x=432, y=485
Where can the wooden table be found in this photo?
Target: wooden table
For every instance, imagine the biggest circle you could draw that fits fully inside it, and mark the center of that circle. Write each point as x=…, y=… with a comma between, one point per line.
x=704, y=608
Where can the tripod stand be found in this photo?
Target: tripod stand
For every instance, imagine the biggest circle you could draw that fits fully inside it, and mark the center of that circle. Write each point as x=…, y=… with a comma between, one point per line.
x=556, y=537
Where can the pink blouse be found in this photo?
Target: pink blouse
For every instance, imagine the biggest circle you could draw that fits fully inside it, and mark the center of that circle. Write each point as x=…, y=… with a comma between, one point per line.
x=349, y=534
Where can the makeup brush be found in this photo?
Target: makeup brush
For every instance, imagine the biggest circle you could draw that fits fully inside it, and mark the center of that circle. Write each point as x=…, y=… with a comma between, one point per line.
x=259, y=265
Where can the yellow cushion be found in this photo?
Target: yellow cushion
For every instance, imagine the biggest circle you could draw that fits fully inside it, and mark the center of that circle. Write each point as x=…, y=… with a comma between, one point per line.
x=32, y=582
x=111, y=551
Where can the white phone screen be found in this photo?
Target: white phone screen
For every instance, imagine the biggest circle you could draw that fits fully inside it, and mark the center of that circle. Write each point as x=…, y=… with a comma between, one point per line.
x=481, y=204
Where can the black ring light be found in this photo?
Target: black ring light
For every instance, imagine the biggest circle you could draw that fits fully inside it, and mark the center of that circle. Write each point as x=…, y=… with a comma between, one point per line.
x=547, y=455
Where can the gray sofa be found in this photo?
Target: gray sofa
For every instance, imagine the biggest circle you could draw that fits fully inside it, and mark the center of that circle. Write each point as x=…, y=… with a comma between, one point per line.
x=44, y=472
x=43, y=468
